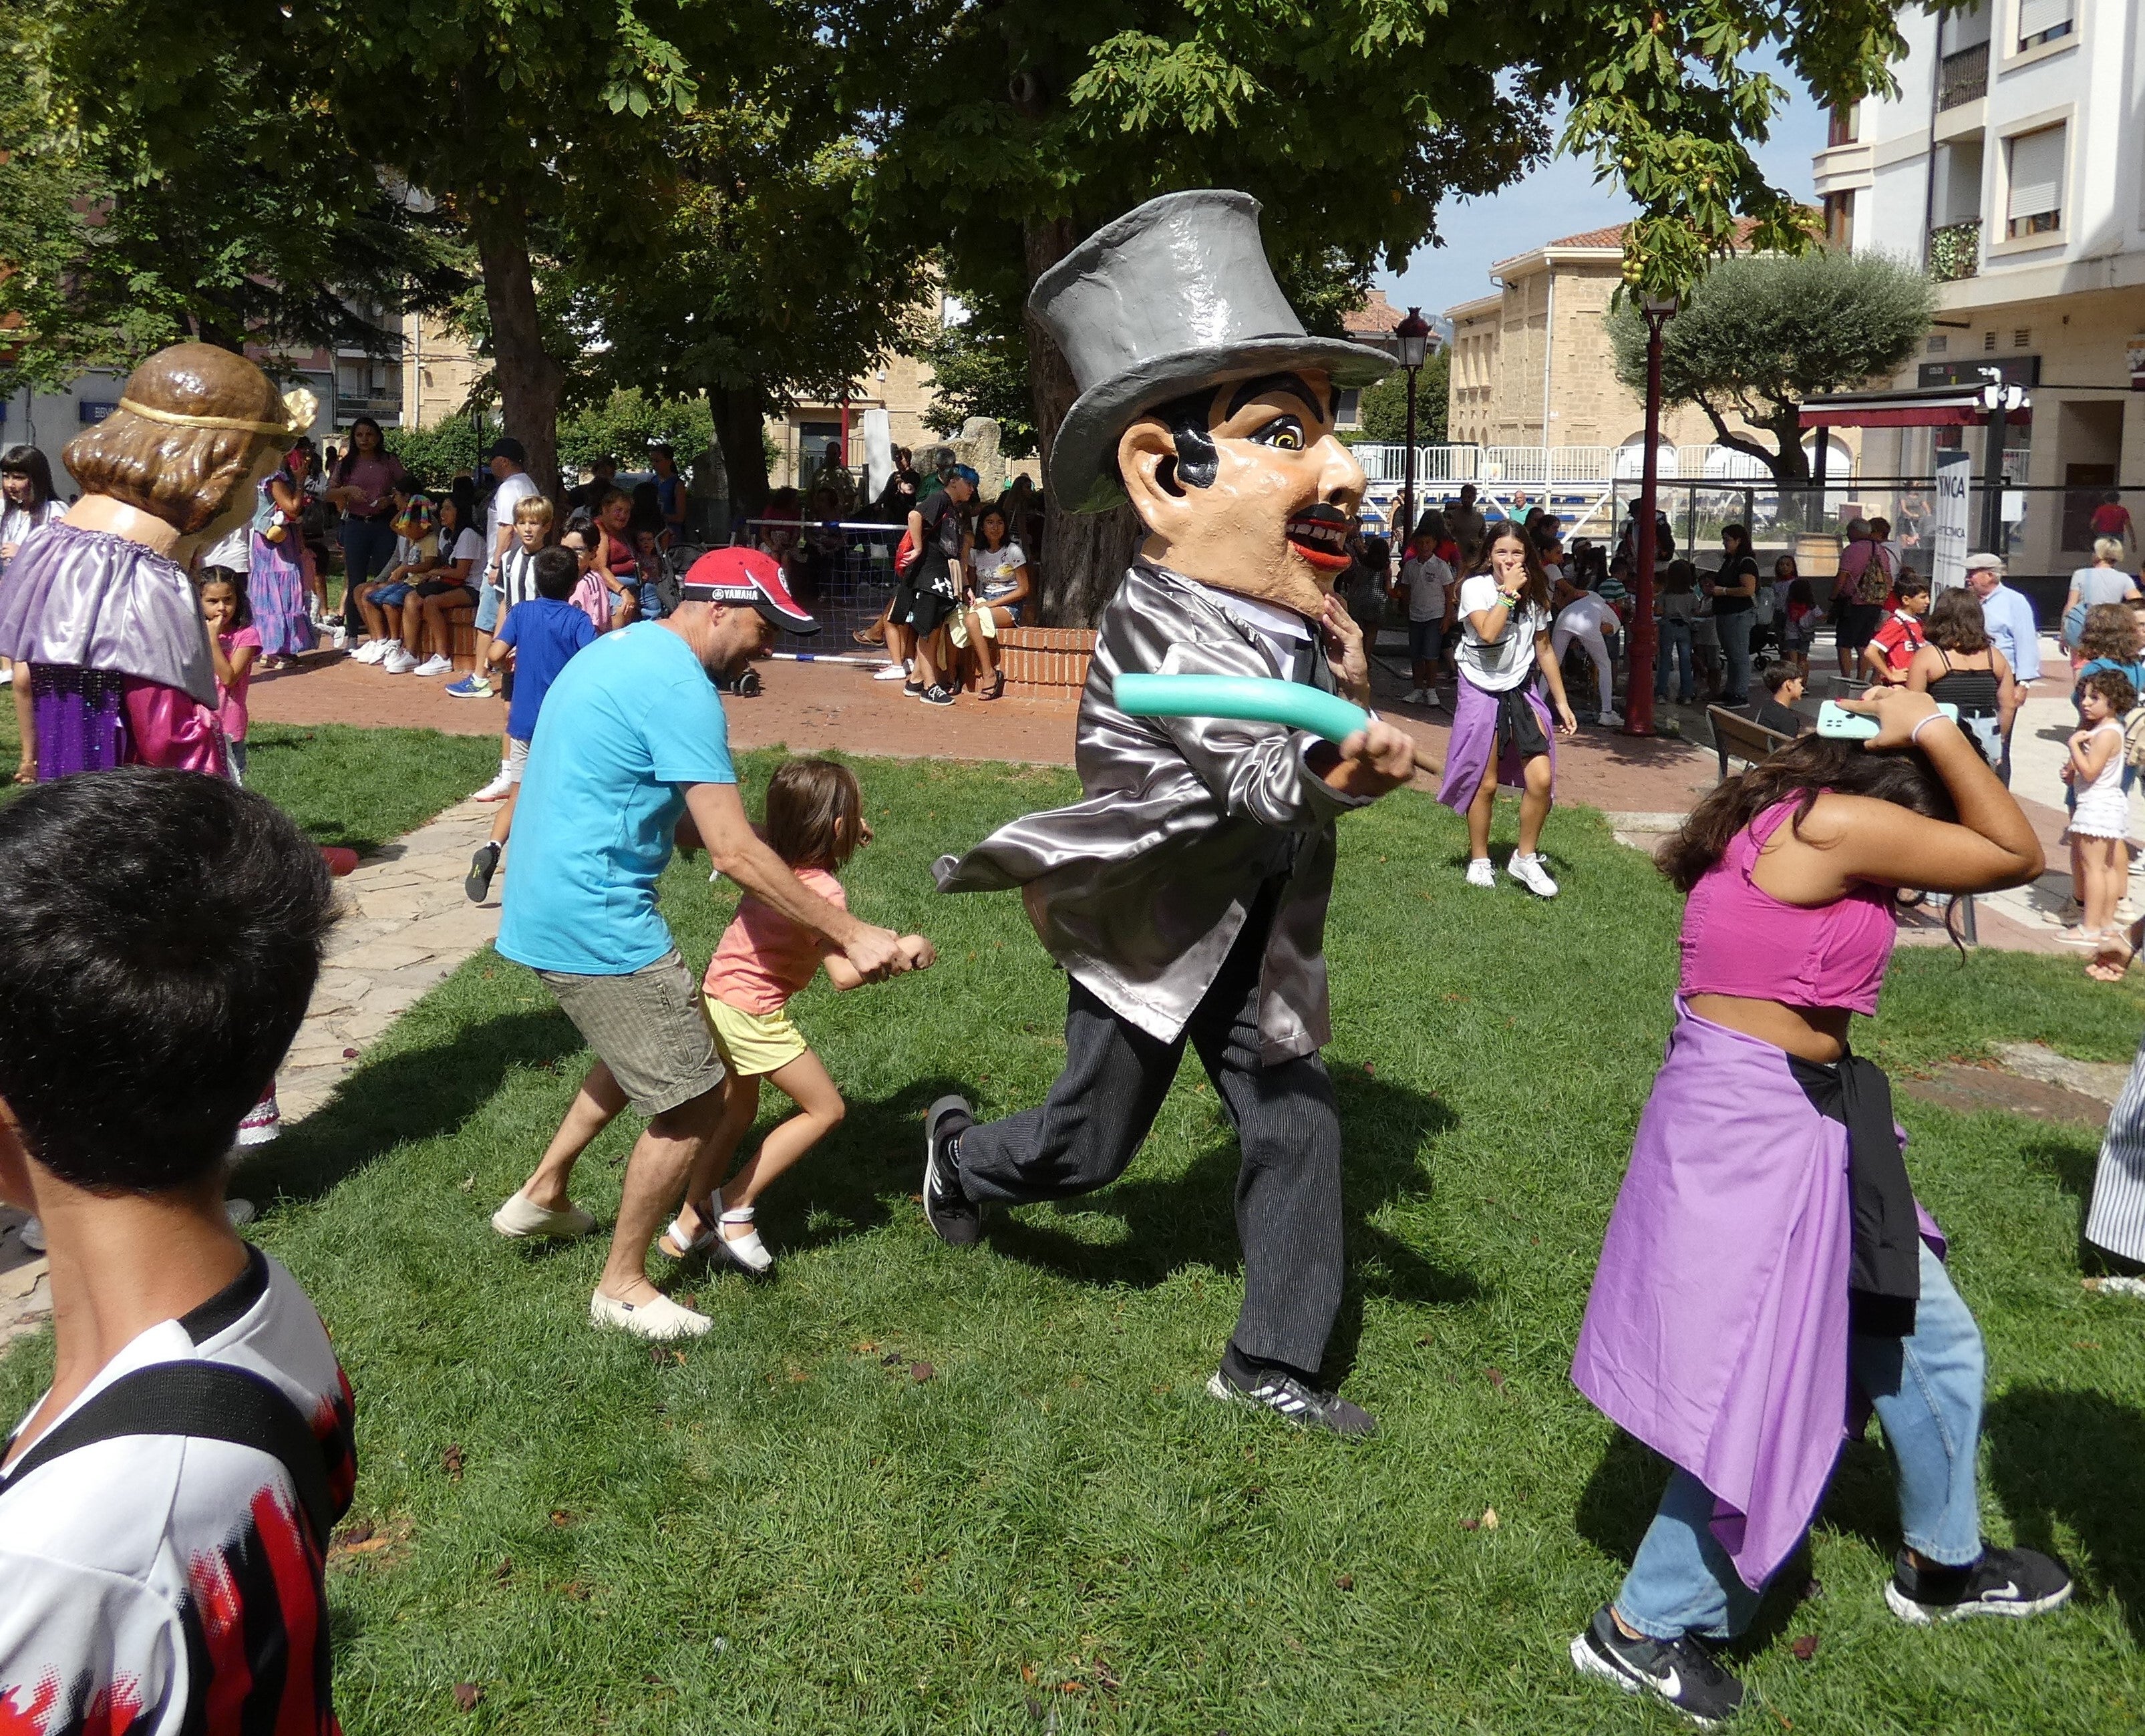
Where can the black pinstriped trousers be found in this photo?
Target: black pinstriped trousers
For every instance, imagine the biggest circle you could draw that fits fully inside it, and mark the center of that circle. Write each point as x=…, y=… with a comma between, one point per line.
x=1288, y=1128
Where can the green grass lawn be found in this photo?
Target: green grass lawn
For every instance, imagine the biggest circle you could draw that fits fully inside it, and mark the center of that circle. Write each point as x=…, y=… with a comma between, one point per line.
x=796, y=1525
x=362, y=788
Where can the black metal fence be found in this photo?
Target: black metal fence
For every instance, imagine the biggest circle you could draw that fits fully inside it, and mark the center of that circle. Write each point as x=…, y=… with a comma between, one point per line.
x=842, y=571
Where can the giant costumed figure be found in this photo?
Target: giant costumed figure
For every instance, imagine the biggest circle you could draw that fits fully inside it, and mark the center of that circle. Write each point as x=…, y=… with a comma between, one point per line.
x=112, y=660
x=1186, y=896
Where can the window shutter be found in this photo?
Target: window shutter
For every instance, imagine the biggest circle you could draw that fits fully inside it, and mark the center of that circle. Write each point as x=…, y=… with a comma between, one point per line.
x=2037, y=16
x=2037, y=172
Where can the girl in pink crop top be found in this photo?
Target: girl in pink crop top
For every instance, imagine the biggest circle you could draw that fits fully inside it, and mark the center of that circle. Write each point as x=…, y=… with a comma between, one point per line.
x=1739, y=939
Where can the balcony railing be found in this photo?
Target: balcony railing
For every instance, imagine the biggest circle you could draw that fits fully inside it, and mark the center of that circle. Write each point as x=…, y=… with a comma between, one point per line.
x=1955, y=250
x=1964, y=77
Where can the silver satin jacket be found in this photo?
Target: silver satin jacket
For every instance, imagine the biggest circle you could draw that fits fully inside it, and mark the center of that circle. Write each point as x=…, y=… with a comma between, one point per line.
x=1140, y=890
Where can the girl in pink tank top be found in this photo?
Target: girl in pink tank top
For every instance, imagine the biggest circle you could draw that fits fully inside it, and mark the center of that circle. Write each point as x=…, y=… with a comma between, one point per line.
x=1767, y=1268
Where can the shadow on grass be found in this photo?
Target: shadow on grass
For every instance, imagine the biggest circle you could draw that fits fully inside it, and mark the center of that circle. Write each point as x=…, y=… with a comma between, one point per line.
x=1190, y=1218
x=417, y=1093
x=2077, y=1460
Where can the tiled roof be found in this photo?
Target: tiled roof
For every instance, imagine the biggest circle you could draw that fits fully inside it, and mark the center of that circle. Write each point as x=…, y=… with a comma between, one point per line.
x=1610, y=237
x=1375, y=317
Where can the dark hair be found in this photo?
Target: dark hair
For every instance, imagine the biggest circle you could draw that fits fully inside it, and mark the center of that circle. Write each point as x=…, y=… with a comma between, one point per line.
x=602, y=499
x=1800, y=591
x=1800, y=772
x=350, y=449
x=29, y=462
x=463, y=514
x=463, y=490
x=647, y=511
x=808, y=801
x=1005, y=523
x=2110, y=631
x=242, y=614
x=2113, y=686
x=160, y=931
x=1778, y=675
x=1739, y=534
x=1535, y=590
x=1678, y=577
x=1955, y=622
x=1793, y=567
x=1910, y=584
x=1431, y=524
x=556, y=573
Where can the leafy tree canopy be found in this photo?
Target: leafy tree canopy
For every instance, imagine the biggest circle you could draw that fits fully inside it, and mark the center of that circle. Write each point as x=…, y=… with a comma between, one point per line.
x=1759, y=334
x=1383, y=407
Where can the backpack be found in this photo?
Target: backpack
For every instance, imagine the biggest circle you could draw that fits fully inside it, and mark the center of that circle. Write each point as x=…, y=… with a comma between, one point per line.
x=906, y=553
x=204, y=1401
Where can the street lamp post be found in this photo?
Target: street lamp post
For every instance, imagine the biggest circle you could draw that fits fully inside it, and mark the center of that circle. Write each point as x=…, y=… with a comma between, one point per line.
x=1999, y=401
x=1412, y=337
x=1638, y=695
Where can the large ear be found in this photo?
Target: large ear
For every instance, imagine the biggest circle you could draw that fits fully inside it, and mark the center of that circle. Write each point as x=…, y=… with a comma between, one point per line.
x=1146, y=462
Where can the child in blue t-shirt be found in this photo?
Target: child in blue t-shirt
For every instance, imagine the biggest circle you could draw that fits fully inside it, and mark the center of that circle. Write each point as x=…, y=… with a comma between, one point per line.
x=537, y=637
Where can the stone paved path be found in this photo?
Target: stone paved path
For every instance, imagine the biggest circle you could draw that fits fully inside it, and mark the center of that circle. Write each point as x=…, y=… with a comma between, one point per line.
x=405, y=925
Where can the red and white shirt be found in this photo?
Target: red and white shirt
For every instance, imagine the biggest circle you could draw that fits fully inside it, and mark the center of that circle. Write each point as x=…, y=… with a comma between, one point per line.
x=160, y=1585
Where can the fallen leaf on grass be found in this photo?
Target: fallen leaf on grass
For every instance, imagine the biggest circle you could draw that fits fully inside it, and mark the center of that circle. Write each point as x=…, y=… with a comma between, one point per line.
x=1496, y=1377
x=1806, y=1647
x=504, y=1570
x=1027, y=1675
x=867, y=1348
x=350, y=1054
x=573, y=1591
x=1489, y=1518
x=1371, y=1069
x=368, y=1546
x=355, y=1534
x=561, y=1517
x=452, y=1458
x=1346, y=1582
x=921, y=1371
x=467, y=1184
x=467, y=1694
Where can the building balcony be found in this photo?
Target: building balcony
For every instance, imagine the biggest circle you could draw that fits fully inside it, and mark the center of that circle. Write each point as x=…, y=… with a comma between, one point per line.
x=1955, y=250
x=1963, y=77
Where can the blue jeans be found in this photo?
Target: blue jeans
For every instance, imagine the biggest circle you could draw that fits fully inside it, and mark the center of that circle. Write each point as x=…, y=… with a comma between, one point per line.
x=1927, y=1392
x=1674, y=652
x=1734, y=631
x=368, y=549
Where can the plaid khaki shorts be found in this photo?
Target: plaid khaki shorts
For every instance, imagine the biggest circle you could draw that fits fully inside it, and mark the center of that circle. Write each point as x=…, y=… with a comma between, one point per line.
x=648, y=1027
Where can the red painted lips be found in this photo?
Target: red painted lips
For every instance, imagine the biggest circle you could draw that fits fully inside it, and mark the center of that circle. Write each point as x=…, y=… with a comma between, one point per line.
x=1320, y=535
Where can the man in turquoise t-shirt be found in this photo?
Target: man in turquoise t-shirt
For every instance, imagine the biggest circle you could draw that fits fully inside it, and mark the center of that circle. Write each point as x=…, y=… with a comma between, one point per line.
x=631, y=756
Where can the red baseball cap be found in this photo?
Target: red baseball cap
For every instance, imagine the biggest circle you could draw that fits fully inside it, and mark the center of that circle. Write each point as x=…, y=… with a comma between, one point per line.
x=742, y=577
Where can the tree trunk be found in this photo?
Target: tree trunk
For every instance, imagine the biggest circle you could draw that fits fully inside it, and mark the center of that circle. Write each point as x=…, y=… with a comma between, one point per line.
x=530, y=381
x=1084, y=553
x=1791, y=467
x=740, y=416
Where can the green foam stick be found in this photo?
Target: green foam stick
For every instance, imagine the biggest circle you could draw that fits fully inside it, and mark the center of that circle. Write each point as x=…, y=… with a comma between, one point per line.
x=1247, y=697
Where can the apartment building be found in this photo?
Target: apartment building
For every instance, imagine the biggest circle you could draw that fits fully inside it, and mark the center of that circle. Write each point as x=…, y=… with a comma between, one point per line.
x=1532, y=362
x=2010, y=165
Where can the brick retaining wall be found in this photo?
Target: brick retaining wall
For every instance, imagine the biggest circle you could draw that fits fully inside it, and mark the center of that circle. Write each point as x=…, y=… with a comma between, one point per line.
x=1046, y=662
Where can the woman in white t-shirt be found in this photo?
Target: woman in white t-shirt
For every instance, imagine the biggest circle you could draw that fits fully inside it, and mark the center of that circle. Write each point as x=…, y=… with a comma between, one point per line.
x=997, y=585
x=1501, y=732
x=450, y=586
x=1586, y=618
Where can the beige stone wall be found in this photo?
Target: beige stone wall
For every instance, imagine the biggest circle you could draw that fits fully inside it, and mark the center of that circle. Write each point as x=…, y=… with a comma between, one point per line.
x=438, y=370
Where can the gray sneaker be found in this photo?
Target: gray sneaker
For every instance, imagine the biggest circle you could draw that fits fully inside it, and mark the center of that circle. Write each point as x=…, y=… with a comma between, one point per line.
x=957, y=1219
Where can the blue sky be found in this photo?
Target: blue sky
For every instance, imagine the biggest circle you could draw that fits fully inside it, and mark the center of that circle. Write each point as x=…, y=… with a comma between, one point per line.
x=1560, y=199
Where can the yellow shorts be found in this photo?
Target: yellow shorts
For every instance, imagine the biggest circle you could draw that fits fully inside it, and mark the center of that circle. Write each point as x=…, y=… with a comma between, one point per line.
x=752, y=1043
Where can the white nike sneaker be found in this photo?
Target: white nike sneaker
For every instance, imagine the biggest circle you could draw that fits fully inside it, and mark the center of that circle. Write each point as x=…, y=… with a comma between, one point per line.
x=438, y=664
x=398, y=662
x=1483, y=872
x=1530, y=873
x=1612, y=719
x=892, y=672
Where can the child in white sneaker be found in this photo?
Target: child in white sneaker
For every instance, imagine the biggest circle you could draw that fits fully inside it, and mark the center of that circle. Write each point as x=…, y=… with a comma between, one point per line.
x=814, y=822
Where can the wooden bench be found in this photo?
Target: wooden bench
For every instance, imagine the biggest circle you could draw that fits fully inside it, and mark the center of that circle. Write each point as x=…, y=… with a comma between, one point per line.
x=1736, y=737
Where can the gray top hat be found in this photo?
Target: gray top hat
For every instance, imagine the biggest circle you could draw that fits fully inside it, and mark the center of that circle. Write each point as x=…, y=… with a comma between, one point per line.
x=1177, y=292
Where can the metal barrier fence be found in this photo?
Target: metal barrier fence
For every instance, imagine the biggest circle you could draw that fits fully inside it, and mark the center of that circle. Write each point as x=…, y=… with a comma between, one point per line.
x=842, y=571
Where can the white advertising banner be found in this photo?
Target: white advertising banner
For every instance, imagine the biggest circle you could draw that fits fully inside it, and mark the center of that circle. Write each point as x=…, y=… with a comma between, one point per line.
x=1948, y=524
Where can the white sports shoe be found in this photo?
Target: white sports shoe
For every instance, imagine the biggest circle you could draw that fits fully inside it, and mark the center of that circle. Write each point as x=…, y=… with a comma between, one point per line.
x=1430, y=699
x=398, y=661
x=1416, y=696
x=1530, y=873
x=438, y=664
x=892, y=672
x=1482, y=871
x=498, y=790
x=1612, y=719
x=372, y=651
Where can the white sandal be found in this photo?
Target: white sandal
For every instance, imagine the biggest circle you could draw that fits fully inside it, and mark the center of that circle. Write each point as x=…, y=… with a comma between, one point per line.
x=678, y=1245
x=747, y=1250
